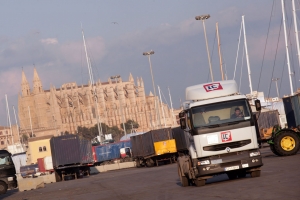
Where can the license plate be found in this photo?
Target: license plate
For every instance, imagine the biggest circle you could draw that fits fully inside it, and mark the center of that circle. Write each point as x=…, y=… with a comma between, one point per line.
x=231, y=168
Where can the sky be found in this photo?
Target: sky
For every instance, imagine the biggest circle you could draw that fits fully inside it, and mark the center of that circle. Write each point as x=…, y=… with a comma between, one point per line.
x=47, y=35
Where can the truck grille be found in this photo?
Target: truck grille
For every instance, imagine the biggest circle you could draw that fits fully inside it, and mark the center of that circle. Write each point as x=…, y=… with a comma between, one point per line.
x=231, y=145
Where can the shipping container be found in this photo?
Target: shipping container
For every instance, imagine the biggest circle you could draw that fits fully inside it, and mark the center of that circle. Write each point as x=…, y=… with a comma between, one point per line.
x=182, y=139
x=153, y=147
x=108, y=152
x=70, y=150
x=292, y=110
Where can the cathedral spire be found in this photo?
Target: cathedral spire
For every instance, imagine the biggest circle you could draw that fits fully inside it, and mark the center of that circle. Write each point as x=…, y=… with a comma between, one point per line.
x=131, y=78
x=37, y=84
x=24, y=85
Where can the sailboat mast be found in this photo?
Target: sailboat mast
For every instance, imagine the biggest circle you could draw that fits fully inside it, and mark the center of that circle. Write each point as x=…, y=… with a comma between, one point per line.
x=296, y=30
x=17, y=124
x=94, y=88
x=286, y=47
x=173, y=118
x=219, y=47
x=247, y=58
x=163, y=112
x=30, y=121
x=8, y=115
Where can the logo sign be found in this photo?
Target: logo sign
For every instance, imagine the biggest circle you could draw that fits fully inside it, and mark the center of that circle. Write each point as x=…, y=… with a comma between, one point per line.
x=212, y=87
x=226, y=136
x=227, y=149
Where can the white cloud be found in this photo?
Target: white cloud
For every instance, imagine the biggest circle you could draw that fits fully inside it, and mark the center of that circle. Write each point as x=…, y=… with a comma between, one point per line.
x=49, y=41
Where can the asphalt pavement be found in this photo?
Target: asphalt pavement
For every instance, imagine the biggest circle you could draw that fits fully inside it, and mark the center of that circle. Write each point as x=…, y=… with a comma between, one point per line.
x=280, y=179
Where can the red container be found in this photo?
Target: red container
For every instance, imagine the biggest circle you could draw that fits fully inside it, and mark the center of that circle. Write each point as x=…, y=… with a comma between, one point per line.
x=41, y=164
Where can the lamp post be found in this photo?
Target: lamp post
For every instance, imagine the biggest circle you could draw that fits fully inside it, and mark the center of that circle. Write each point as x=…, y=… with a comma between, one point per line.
x=276, y=79
x=116, y=80
x=148, y=54
x=203, y=18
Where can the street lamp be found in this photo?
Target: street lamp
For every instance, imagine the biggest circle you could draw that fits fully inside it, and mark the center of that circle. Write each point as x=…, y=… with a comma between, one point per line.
x=116, y=80
x=276, y=79
x=148, y=54
x=203, y=18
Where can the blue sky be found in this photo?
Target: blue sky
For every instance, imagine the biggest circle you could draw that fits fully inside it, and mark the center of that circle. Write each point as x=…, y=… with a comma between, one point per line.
x=47, y=34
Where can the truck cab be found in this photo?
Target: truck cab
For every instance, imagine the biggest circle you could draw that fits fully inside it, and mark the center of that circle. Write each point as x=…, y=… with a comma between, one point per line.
x=223, y=137
x=7, y=172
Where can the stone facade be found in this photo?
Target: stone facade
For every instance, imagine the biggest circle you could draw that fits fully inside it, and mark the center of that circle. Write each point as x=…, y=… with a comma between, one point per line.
x=50, y=112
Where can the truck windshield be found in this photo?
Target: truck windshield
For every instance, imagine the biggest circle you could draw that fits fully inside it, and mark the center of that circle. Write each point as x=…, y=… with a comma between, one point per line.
x=5, y=160
x=220, y=113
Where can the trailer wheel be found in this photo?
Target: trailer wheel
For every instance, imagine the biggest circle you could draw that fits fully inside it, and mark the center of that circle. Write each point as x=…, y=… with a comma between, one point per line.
x=255, y=174
x=137, y=162
x=286, y=143
x=57, y=176
x=183, y=179
x=199, y=183
x=149, y=162
x=274, y=150
x=3, y=187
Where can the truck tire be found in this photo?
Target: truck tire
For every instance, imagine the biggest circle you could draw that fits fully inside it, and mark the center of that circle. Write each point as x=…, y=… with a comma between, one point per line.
x=286, y=143
x=183, y=179
x=3, y=187
x=137, y=163
x=232, y=175
x=255, y=174
x=273, y=150
x=199, y=183
x=149, y=162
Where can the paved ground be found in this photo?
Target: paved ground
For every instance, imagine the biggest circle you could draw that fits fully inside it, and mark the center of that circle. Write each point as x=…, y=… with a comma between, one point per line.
x=280, y=179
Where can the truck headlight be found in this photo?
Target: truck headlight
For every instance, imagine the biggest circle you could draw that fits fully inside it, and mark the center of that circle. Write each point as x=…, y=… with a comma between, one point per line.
x=255, y=153
x=204, y=162
x=10, y=178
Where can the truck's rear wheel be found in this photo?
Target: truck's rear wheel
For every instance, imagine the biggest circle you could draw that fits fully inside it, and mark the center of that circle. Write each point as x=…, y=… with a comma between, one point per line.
x=286, y=143
x=232, y=175
x=3, y=187
x=183, y=179
x=255, y=174
x=149, y=162
x=199, y=183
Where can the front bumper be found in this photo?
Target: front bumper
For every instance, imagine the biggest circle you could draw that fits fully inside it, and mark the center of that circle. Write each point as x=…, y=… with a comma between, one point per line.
x=245, y=164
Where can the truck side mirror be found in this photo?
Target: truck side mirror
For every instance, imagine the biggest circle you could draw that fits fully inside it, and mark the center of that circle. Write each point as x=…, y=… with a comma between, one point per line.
x=181, y=114
x=257, y=105
x=182, y=123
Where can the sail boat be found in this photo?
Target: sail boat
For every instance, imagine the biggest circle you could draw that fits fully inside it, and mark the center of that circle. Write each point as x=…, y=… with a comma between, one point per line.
x=93, y=88
x=14, y=148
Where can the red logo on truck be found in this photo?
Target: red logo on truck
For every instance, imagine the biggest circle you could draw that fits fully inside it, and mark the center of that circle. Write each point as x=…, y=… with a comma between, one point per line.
x=212, y=87
x=226, y=136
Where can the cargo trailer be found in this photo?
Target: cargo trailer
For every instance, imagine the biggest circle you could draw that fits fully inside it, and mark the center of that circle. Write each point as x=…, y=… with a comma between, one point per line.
x=71, y=156
x=154, y=146
x=107, y=153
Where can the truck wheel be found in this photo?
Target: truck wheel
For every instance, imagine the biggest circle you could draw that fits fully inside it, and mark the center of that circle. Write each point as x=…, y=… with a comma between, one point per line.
x=199, y=183
x=241, y=174
x=3, y=187
x=138, y=164
x=273, y=149
x=149, y=162
x=232, y=175
x=255, y=174
x=286, y=143
x=183, y=179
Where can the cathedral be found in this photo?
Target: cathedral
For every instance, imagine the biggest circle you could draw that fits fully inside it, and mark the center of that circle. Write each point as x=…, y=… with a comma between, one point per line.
x=54, y=111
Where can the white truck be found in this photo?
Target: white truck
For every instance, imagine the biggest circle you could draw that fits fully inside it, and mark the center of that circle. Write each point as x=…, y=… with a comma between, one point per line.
x=222, y=135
